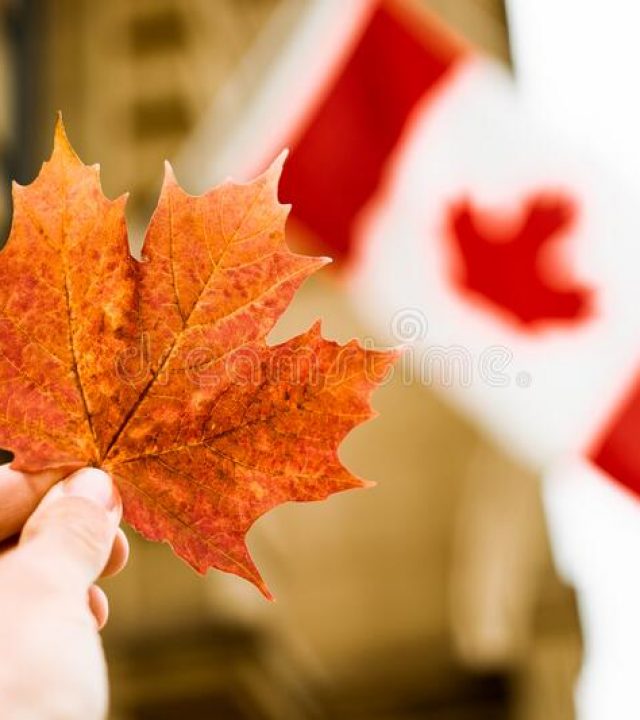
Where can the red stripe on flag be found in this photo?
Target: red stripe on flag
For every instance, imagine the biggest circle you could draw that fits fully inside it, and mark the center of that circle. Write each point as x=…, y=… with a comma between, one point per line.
x=337, y=161
x=617, y=450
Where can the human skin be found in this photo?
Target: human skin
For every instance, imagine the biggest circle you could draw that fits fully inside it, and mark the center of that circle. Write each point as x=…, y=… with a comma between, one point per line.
x=57, y=537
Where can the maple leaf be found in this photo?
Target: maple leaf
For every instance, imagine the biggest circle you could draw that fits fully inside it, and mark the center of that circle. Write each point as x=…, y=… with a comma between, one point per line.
x=159, y=371
x=501, y=261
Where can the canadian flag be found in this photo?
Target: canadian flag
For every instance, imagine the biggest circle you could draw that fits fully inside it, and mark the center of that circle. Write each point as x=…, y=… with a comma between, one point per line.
x=504, y=260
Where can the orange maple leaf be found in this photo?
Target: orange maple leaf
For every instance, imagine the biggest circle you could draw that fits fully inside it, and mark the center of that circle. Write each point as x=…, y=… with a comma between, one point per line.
x=159, y=371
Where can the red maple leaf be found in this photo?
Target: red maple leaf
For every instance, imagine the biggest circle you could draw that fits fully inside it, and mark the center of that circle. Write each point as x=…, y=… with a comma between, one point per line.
x=159, y=371
x=505, y=262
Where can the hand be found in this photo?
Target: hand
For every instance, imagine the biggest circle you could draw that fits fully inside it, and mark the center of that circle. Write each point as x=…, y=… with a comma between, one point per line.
x=51, y=660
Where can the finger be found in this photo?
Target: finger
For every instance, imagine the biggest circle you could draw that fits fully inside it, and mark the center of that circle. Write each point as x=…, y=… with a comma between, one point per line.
x=119, y=555
x=70, y=536
x=99, y=605
x=116, y=562
x=20, y=494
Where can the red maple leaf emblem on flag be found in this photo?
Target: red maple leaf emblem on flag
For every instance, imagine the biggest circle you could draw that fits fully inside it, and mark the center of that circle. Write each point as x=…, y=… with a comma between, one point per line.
x=513, y=265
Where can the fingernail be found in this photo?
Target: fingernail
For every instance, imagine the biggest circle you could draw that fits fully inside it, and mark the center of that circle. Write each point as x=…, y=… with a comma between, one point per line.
x=94, y=485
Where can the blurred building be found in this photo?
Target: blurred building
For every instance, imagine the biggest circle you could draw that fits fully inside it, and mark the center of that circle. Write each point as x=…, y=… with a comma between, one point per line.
x=432, y=596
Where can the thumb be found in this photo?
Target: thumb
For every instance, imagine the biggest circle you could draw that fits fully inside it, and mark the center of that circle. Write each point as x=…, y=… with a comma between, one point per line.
x=71, y=532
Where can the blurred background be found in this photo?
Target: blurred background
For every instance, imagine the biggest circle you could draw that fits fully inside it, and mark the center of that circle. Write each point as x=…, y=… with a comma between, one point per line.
x=432, y=596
